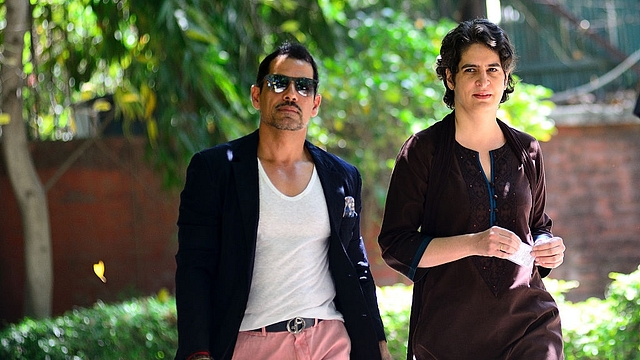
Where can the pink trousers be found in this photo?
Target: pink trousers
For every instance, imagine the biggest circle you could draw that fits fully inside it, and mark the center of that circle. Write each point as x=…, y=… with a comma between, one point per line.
x=327, y=340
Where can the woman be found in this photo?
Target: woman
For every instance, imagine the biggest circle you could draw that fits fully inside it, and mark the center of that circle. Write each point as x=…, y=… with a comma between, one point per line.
x=466, y=196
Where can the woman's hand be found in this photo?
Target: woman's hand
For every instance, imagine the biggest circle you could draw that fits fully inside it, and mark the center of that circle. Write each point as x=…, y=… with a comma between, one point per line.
x=497, y=242
x=549, y=254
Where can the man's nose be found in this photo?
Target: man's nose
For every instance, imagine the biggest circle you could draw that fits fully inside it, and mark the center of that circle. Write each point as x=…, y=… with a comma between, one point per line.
x=290, y=93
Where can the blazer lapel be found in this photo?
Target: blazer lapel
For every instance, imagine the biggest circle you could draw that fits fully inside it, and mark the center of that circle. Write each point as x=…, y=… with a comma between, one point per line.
x=243, y=157
x=332, y=186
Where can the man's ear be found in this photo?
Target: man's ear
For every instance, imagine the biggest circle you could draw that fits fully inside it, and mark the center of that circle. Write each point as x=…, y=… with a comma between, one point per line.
x=450, y=83
x=316, y=105
x=255, y=97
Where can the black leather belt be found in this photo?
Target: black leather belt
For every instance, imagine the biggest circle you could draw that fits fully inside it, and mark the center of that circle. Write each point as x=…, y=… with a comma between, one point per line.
x=294, y=326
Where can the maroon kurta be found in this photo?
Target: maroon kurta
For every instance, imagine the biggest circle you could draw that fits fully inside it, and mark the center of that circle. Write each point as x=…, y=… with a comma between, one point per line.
x=476, y=307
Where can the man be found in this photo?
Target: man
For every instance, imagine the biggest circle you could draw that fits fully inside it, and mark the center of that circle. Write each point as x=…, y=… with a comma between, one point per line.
x=271, y=264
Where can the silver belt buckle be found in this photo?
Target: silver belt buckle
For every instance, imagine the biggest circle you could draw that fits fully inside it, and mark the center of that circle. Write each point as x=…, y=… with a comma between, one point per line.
x=296, y=325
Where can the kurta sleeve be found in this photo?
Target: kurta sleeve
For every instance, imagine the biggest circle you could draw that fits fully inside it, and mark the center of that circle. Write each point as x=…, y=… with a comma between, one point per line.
x=401, y=241
x=541, y=223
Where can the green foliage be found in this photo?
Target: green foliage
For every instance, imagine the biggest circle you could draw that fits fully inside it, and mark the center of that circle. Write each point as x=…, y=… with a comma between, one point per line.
x=185, y=67
x=605, y=329
x=528, y=109
x=395, y=307
x=596, y=329
x=146, y=329
x=378, y=92
x=135, y=329
x=384, y=88
x=68, y=47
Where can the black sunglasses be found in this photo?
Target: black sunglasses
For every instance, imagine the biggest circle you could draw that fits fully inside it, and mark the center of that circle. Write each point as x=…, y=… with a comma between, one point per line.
x=279, y=83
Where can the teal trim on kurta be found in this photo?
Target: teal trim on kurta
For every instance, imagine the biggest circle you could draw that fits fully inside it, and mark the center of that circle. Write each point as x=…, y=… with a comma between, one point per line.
x=416, y=259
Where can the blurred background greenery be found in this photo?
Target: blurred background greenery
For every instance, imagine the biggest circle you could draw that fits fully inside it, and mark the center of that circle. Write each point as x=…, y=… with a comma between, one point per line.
x=144, y=328
x=181, y=71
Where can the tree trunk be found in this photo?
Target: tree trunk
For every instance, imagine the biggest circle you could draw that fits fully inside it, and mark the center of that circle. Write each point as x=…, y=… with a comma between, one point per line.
x=462, y=10
x=471, y=9
x=27, y=187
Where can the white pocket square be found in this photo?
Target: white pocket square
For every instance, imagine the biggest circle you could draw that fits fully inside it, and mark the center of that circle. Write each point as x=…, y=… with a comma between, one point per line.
x=349, y=207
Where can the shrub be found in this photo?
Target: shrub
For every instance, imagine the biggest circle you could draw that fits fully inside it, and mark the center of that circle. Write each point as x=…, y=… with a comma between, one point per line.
x=136, y=329
x=145, y=328
x=609, y=328
x=595, y=329
x=395, y=307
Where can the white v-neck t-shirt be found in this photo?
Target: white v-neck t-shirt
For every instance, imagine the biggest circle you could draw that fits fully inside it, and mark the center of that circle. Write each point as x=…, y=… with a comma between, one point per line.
x=291, y=272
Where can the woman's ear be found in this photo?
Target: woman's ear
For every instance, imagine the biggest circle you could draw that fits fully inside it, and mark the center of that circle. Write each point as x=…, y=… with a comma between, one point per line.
x=450, y=83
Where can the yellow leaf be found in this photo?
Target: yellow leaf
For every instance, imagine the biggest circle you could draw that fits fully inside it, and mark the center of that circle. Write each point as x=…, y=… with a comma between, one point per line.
x=101, y=105
x=152, y=130
x=150, y=104
x=98, y=269
x=86, y=95
x=87, y=91
x=5, y=119
x=163, y=295
x=130, y=98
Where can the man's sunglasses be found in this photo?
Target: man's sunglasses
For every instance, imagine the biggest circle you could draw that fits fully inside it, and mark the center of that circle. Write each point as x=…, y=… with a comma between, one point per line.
x=279, y=83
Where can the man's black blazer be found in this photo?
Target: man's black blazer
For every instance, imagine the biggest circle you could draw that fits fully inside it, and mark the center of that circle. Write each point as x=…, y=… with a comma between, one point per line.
x=217, y=227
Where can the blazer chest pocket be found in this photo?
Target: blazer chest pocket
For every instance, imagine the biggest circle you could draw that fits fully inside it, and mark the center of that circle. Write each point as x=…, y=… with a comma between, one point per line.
x=346, y=228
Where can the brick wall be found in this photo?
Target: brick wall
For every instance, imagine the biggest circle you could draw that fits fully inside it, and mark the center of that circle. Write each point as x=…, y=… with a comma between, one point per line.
x=593, y=185
x=110, y=206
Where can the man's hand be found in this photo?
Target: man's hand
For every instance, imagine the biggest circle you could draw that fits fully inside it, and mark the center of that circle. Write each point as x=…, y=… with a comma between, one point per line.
x=384, y=351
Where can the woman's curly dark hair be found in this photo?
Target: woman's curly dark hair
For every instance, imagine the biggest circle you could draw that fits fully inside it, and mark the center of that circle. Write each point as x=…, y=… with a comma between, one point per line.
x=467, y=33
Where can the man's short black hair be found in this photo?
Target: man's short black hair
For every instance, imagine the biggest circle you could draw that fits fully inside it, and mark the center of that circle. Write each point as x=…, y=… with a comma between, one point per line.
x=290, y=49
